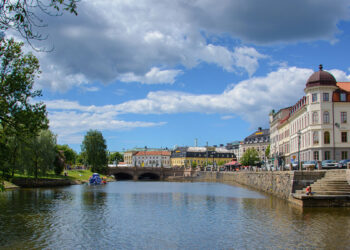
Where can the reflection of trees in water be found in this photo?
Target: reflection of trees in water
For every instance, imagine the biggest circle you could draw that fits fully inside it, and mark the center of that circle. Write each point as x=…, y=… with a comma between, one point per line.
x=29, y=213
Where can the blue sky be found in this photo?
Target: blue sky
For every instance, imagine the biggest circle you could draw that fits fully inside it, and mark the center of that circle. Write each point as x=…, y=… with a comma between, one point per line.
x=162, y=73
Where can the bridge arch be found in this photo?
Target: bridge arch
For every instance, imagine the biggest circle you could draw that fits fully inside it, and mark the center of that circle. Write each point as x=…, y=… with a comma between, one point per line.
x=149, y=176
x=121, y=176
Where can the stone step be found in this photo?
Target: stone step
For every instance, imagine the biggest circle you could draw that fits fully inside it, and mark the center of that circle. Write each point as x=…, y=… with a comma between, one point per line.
x=332, y=182
x=329, y=189
x=330, y=193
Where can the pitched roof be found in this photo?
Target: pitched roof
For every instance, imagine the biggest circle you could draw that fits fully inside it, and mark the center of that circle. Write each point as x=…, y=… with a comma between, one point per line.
x=161, y=153
x=344, y=86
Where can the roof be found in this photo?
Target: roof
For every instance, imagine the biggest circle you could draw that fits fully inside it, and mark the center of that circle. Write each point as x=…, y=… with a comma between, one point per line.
x=223, y=150
x=321, y=77
x=258, y=136
x=196, y=149
x=143, y=153
x=344, y=86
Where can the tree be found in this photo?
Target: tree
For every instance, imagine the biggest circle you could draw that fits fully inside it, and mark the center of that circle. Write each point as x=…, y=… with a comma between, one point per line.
x=221, y=162
x=18, y=113
x=250, y=157
x=116, y=156
x=24, y=16
x=59, y=162
x=69, y=154
x=95, y=150
x=267, y=152
x=20, y=117
x=43, y=153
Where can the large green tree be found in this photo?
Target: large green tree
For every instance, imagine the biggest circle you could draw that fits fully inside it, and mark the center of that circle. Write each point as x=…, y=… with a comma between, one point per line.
x=95, y=150
x=18, y=113
x=250, y=157
x=21, y=117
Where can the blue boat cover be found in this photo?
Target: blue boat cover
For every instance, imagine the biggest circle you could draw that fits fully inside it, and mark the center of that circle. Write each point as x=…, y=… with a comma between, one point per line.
x=95, y=179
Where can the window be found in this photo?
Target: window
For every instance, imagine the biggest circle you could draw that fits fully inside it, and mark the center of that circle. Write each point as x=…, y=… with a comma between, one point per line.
x=344, y=155
x=344, y=137
x=327, y=155
x=315, y=137
x=316, y=156
x=343, y=117
x=343, y=97
x=326, y=97
x=326, y=117
x=314, y=97
x=314, y=117
x=327, y=138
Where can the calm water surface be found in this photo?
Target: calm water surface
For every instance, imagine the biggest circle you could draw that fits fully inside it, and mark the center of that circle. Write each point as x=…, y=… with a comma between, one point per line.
x=164, y=215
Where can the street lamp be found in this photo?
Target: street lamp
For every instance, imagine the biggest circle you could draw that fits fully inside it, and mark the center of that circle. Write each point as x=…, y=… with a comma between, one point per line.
x=299, y=136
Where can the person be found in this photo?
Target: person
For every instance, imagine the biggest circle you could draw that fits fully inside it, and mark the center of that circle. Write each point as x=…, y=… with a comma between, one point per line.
x=308, y=190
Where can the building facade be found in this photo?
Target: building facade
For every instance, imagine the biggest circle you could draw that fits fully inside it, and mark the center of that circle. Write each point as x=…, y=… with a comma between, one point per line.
x=152, y=159
x=259, y=140
x=200, y=156
x=316, y=127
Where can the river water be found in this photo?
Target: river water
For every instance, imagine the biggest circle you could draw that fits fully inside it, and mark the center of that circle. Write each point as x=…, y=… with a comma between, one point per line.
x=164, y=215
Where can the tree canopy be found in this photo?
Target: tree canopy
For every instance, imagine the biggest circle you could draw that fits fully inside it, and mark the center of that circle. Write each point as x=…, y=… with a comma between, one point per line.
x=250, y=157
x=95, y=151
x=116, y=156
x=18, y=113
x=24, y=16
x=21, y=118
x=69, y=154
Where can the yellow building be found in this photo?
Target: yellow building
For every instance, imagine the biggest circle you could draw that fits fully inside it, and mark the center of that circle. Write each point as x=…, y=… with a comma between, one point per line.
x=201, y=156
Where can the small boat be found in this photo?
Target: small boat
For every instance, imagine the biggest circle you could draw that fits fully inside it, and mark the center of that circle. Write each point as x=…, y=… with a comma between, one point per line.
x=95, y=179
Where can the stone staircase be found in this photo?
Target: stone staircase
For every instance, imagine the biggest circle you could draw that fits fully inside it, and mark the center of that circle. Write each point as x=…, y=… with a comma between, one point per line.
x=333, y=184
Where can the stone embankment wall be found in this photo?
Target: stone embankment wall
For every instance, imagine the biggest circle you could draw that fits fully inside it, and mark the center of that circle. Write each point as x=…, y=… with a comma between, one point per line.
x=279, y=183
x=348, y=175
x=30, y=183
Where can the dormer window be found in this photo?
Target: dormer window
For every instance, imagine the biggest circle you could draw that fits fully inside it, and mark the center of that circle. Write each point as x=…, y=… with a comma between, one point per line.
x=343, y=97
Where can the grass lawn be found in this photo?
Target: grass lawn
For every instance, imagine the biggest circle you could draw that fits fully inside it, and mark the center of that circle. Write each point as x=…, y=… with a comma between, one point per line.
x=79, y=175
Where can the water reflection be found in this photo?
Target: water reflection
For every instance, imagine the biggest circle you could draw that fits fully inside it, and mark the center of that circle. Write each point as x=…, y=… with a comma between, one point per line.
x=143, y=215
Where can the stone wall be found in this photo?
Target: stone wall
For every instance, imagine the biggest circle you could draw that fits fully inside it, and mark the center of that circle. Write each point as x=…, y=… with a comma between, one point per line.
x=348, y=175
x=278, y=183
x=30, y=182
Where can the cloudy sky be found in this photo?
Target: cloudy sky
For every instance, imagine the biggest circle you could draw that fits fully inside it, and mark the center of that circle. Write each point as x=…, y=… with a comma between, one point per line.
x=162, y=73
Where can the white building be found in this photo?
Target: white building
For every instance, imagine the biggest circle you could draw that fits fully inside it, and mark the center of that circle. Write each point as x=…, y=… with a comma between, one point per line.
x=316, y=126
x=152, y=159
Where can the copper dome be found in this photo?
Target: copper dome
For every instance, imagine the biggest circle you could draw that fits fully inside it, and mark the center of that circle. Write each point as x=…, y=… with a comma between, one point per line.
x=321, y=78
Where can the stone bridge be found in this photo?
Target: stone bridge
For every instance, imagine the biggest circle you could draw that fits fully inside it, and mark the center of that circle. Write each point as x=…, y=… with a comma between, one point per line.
x=147, y=173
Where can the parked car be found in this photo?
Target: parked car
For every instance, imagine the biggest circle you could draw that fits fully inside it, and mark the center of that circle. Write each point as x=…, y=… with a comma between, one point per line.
x=310, y=163
x=329, y=164
x=343, y=163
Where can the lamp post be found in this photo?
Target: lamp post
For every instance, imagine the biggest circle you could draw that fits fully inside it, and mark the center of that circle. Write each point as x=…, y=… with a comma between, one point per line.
x=299, y=136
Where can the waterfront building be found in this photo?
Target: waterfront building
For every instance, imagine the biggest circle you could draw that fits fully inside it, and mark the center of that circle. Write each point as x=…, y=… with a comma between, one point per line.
x=152, y=159
x=234, y=146
x=128, y=156
x=259, y=140
x=200, y=156
x=316, y=127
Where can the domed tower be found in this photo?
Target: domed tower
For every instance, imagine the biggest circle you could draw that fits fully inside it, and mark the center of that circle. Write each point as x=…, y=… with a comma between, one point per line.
x=320, y=86
x=321, y=78
x=319, y=93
